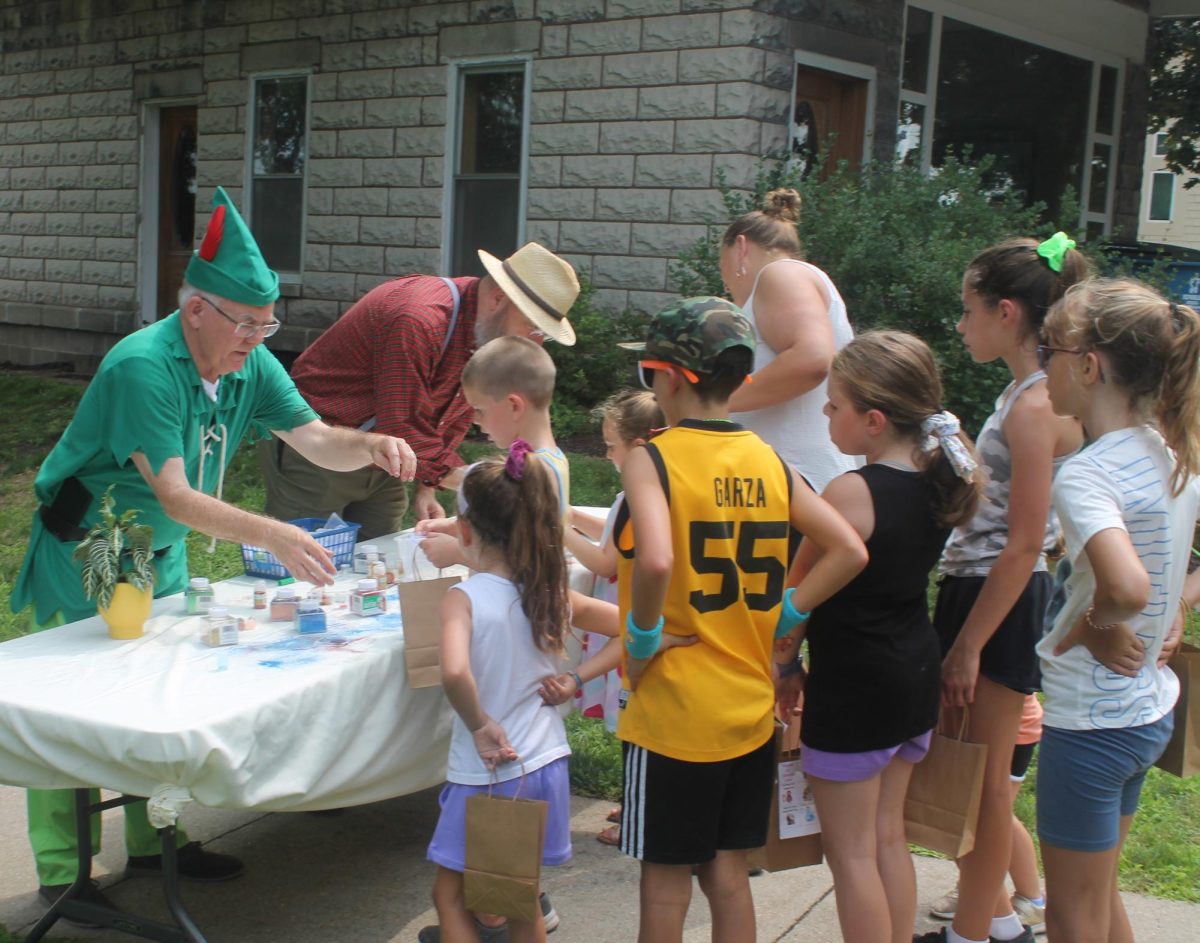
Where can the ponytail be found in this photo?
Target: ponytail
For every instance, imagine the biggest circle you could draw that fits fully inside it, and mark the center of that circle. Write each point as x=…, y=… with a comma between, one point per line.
x=514, y=505
x=1179, y=394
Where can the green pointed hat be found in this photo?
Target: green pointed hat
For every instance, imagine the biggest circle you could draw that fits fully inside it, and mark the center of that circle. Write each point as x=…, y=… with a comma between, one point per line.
x=228, y=263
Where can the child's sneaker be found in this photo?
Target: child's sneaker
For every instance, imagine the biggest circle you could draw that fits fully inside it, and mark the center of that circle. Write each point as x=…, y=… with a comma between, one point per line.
x=946, y=908
x=1031, y=914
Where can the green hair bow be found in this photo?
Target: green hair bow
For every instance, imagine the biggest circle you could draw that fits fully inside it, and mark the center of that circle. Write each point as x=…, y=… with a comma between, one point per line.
x=1054, y=249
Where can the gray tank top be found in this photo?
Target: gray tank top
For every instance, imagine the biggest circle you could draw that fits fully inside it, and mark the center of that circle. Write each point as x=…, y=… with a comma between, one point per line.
x=973, y=547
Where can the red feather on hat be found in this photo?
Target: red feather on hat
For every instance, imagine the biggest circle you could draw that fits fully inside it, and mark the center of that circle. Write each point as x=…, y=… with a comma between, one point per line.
x=213, y=234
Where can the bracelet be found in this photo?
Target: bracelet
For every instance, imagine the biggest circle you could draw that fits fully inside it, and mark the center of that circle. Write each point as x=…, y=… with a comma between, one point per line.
x=789, y=615
x=642, y=643
x=578, y=680
x=1097, y=626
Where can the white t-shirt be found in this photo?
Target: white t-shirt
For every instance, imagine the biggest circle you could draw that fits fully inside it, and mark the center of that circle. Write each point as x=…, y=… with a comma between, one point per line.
x=1123, y=479
x=508, y=670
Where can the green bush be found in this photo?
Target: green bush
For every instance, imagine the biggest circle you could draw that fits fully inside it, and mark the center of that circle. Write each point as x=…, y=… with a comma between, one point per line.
x=595, y=367
x=896, y=242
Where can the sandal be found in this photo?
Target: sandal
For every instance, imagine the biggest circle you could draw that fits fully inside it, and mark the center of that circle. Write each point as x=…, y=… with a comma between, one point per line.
x=609, y=835
x=614, y=815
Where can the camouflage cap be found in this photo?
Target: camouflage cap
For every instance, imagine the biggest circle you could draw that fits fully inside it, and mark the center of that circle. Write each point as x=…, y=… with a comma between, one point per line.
x=692, y=333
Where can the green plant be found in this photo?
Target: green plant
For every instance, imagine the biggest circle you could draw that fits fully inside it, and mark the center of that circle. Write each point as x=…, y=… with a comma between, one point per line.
x=595, y=367
x=115, y=550
x=895, y=241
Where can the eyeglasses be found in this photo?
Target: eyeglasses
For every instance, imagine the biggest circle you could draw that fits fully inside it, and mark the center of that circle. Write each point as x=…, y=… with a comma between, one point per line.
x=646, y=370
x=1046, y=351
x=245, y=328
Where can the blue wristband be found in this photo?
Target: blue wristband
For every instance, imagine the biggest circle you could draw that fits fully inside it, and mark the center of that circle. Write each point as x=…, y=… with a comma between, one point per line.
x=789, y=615
x=642, y=643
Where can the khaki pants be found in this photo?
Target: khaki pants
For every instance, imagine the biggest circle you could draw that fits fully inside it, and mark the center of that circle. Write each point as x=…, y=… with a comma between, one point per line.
x=298, y=488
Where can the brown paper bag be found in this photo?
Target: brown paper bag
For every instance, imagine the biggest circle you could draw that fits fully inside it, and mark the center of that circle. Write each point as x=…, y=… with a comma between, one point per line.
x=941, y=809
x=504, y=855
x=782, y=854
x=1182, y=755
x=421, y=615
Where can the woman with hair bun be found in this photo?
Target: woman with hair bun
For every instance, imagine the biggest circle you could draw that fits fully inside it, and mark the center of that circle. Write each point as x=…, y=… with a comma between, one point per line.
x=800, y=323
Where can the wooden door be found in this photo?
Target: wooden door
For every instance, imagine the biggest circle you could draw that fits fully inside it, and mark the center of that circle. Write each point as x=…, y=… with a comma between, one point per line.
x=828, y=103
x=176, y=201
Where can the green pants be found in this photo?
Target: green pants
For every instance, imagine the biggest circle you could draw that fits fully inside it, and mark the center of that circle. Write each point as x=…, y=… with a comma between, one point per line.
x=298, y=488
x=52, y=824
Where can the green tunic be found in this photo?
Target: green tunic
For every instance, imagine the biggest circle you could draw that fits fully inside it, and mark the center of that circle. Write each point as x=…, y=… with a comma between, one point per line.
x=148, y=397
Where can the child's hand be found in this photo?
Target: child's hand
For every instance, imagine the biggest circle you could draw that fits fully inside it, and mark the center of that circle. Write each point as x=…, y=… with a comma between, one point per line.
x=441, y=549
x=558, y=690
x=1171, y=643
x=960, y=671
x=675, y=641
x=788, y=690
x=492, y=744
x=438, y=525
x=1118, y=649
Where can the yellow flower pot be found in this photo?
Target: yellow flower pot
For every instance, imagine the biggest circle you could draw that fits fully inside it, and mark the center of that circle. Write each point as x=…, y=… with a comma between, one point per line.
x=127, y=614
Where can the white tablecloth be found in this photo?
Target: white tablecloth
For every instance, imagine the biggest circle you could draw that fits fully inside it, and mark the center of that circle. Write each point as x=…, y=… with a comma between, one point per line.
x=278, y=722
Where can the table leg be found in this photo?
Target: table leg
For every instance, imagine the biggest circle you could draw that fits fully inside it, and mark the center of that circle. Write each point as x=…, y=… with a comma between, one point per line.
x=70, y=906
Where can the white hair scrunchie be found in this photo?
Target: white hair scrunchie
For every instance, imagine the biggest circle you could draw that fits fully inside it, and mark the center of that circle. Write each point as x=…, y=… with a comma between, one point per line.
x=941, y=430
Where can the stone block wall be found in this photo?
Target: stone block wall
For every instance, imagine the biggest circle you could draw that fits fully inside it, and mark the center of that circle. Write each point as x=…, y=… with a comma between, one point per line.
x=635, y=107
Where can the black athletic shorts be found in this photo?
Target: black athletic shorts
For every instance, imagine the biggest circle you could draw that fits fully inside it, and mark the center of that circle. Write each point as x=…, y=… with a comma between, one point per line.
x=679, y=812
x=1008, y=658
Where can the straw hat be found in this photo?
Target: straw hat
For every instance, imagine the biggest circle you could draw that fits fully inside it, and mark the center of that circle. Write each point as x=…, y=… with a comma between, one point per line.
x=541, y=284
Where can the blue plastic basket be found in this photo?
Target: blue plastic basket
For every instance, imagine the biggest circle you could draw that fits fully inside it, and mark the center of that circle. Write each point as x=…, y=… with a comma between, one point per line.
x=339, y=541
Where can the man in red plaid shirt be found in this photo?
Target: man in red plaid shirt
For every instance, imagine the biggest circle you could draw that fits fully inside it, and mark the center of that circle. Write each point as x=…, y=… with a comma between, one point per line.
x=393, y=364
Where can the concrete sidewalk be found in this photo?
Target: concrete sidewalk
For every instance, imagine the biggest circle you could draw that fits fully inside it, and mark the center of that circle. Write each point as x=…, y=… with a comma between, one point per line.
x=362, y=876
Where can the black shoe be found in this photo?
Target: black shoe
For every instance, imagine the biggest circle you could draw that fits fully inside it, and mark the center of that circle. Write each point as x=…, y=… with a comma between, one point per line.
x=195, y=864
x=433, y=934
x=1025, y=937
x=933, y=936
x=91, y=895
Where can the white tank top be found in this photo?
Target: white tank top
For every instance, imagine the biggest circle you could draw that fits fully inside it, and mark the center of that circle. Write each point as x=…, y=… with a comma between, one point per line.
x=508, y=670
x=797, y=428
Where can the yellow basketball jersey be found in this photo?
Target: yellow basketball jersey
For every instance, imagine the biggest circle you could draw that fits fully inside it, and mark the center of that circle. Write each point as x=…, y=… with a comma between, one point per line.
x=729, y=495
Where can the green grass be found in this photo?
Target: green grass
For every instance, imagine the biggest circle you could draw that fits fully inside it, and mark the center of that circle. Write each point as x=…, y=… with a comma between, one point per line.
x=595, y=758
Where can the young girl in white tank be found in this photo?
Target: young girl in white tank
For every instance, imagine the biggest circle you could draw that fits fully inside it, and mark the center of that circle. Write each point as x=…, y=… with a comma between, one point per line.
x=502, y=634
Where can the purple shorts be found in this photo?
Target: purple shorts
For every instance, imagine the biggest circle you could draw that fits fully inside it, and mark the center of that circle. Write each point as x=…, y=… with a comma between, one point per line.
x=855, y=767
x=448, y=847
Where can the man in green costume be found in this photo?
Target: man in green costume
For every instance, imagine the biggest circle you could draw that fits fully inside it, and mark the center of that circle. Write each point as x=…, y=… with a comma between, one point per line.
x=160, y=423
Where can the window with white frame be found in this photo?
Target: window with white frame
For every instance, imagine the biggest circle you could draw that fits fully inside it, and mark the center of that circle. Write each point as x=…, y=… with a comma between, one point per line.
x=278, y=157
x=1162, y=196
x=489, y=162
x=1048, y=116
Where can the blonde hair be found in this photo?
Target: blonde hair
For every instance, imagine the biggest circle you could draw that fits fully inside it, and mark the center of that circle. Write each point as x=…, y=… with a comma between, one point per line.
x=1151, y=350
x=773, y=227
x=512, y=364
x=633, y=413
x=895, y=373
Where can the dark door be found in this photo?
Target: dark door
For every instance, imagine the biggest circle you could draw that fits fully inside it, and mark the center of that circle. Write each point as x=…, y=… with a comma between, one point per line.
x=176, y=201
x=828, y=103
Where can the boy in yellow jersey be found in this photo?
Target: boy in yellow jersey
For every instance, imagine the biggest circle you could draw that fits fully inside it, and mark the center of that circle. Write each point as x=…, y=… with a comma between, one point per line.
x=702, y=552
x=509, y=383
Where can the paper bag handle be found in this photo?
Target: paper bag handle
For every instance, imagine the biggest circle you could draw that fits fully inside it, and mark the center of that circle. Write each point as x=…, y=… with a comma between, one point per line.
x=492, y=781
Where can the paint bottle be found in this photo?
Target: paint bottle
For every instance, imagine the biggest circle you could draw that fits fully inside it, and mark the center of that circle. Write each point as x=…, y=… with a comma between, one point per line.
x=326, y=596
x=260, y=595
x=220, y=628
x=310, y=618
x=198, y=596
x=367, y=599
x=283, y=606
x=361, y=557
x=376, y=569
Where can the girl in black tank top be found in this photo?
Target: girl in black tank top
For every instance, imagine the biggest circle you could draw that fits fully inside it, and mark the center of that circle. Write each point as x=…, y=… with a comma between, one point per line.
x=874, y=683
